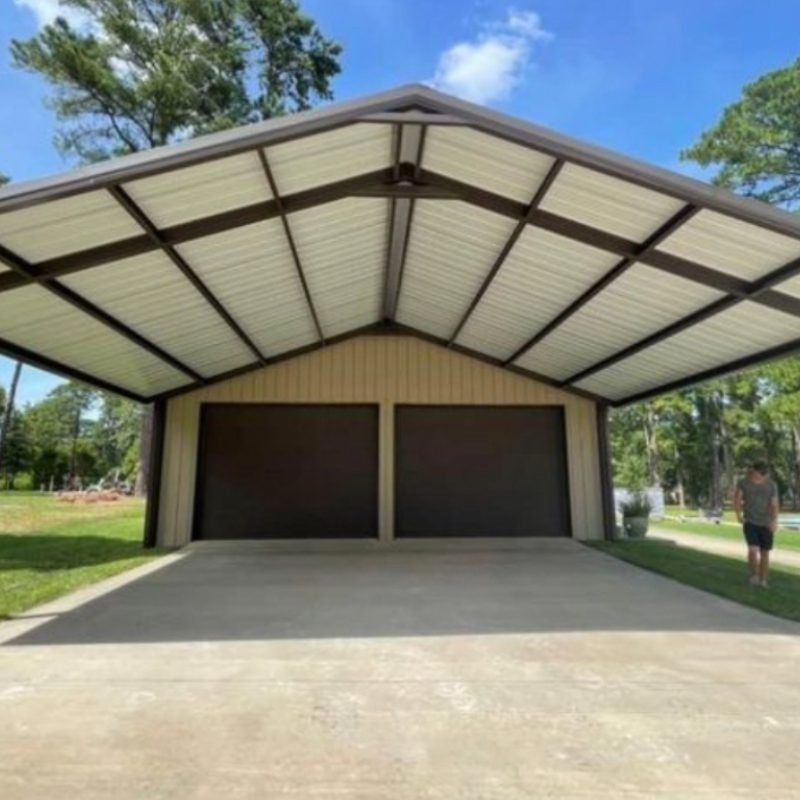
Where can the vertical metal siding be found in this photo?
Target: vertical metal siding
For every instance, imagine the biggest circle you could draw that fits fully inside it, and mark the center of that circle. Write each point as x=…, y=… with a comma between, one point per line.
x=387, y=370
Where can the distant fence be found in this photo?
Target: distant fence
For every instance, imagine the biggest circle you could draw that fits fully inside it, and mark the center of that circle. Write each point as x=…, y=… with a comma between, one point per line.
x=655, y=496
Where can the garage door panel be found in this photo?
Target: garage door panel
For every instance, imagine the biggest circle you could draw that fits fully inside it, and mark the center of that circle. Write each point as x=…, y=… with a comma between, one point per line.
x=288, y=472
x=480, y=471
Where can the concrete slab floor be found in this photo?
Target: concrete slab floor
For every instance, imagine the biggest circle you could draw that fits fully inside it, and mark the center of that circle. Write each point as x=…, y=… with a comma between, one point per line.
x=551, y=672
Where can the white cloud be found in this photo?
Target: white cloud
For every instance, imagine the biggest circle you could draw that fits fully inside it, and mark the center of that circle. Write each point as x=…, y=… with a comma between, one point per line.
x=46, y=11
x=489, y=67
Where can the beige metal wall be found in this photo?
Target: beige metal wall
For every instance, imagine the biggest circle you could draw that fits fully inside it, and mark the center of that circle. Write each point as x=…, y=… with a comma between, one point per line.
x=385, y=370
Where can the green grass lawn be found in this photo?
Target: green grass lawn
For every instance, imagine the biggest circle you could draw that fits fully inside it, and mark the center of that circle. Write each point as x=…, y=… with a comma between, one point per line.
x=49, y=548
x=785, y=540
x=719, y=575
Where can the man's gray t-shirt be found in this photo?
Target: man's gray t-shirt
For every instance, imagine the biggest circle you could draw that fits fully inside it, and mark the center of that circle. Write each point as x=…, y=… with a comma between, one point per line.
x=756, y=501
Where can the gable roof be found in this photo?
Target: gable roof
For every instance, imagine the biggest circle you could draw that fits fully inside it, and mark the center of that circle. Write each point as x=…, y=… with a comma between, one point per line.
x=165, y=270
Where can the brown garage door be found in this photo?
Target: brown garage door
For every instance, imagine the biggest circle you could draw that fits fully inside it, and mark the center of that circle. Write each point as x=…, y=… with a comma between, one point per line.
x=287, y=472
x=480, y=471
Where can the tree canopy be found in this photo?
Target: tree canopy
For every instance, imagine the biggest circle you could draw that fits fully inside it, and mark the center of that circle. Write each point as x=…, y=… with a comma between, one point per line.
x=142, y=73
x=756, y=143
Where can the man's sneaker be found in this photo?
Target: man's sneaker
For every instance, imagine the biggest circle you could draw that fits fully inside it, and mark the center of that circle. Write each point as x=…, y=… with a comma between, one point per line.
x=755, y=581
x=764, y=583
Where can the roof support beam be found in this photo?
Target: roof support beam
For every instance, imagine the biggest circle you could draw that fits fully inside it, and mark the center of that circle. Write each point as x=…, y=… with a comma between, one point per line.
x=273, y=187
x=626, y=248
x=205, y=226
x=14, y=351
x=756, y=290
x=29, y=271
x=771, y=354
x=409, y=146
x=125, y=200
x=379, y=183
x=509, y=245
x=668, y=228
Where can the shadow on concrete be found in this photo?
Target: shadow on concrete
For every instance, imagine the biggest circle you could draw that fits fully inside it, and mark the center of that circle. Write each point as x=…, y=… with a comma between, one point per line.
x=260, y=596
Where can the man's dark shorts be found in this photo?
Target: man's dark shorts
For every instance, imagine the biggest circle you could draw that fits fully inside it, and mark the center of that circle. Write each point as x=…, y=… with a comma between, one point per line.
x=758, y=536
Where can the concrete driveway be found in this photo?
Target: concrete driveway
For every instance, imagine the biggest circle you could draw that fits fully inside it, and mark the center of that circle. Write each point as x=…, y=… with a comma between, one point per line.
x=551, y=672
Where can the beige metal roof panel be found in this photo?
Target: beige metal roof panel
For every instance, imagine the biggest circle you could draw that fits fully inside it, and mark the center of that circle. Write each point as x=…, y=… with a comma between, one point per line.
x=342, y=248
x=609, y=204
x=541, y=276
x=190, y=193
x=331, y=156
x=642, y=301
x=732, y=246
x=150, y=295
x=451, y=249
x=745, y=329
x=251, y=272
x=65, y=226
x=33, y=318
x=485, y=161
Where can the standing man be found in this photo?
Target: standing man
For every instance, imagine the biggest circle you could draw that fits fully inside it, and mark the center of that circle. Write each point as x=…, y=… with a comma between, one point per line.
x=756, y=504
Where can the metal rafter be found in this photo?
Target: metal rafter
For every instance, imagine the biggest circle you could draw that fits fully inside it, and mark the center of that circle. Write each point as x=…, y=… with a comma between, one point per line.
x=127, y=202
x=379, y=183
x=770, y=354
x=402, y=212
x=290, y=239
x=17, y=353
x=619, y=269
x=22, y=267
x=509, y=245
x=757, y=289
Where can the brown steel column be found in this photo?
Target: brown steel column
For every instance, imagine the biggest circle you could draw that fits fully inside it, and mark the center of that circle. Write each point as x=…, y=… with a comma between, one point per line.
x=606, y=473
x=156, y=459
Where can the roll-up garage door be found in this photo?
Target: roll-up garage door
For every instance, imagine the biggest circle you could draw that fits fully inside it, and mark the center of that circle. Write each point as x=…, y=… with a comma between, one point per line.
x=480, y=471
x=287, y=472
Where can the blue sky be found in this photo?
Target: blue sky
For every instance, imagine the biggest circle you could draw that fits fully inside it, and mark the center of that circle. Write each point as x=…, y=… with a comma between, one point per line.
x=639, y=76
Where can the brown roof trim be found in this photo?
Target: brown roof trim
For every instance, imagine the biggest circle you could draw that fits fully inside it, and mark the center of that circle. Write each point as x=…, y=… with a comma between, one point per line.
x=423, y=99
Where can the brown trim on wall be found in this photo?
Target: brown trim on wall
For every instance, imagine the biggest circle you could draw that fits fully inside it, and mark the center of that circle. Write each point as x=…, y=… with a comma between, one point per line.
x=154, y=473
x=606, y=472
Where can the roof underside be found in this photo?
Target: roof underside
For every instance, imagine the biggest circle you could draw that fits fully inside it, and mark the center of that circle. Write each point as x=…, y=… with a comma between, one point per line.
x=163, y=271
